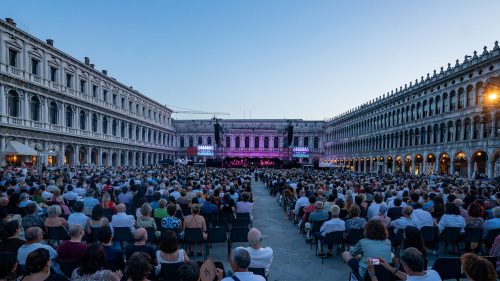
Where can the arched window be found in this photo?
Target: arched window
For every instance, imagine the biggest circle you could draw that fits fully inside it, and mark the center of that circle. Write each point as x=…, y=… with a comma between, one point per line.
x=105, y=125
x=114, y=126
x=130, y=129
x=53, y=113
x=181, y=140
x=94, y=123
x=228, y=142
x=35, y=108
x=191, y=141
x=200, y=140
x=122, y=129
x=266, y=142
x=276, y=142
x=83, y=120
x=13, y=105
x=69, y=116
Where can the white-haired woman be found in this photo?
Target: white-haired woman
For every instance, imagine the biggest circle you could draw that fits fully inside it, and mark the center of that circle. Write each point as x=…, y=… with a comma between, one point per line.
x=54, y=218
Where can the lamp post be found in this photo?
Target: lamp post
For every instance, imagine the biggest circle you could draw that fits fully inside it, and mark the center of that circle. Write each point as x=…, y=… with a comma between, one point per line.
x=491, y=103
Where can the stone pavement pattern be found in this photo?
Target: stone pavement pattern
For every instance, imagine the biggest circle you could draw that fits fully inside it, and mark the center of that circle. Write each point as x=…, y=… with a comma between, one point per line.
x=294, y=259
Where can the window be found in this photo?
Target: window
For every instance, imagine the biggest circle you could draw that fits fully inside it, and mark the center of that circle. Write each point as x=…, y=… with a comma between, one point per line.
x=105, y=95
x=13, y=104
x=94, y=91
x=237, y=144
x=34, y=66
x=35, y=109
x=122, y=129
x=114, y=99
x=228, y=142
x=316, y=142
x=306, y=141
x=83, y=120
x=266, y=142
x=69, y=116
x=82, y=85
x=104, y=125
x=114, y=126
x=53, y=112
x=137, y=108
x=13, y=57
x=256, y=142
x=295, y=141
x=191, y=142
x=209, y=140
x=53, y=74
x=130, y=106
x=247, y=142
x=123, y=103
x=94, y=123
x=181, y=141
x=276, y=142
x=200, y=141
x=69, y=77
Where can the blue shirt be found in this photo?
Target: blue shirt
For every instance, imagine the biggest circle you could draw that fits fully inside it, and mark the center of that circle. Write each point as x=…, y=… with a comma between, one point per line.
x=451, y=221
x=402, y=223
x=490, y=224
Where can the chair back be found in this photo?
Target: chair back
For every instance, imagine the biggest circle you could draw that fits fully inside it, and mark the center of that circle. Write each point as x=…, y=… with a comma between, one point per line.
x=169, y=271
x=243, y=215
x=355, y=235
x=450, y=234
x=178, y=214
x=95, y=233
x=240, y=223
x=216, y=235
x=67, y=266
x=193, y=235
x=428, y=233
x=258, y=271
x=473, y=234
x=490, y=237
x=334, y=238
x=448, y=268
x=123, y=234
x=239, y=234
x=151, y=235
x=185, y=209
x=316, y=226
x=301, y=212
x=58, y=233
x=158, y=222
x=108, y=213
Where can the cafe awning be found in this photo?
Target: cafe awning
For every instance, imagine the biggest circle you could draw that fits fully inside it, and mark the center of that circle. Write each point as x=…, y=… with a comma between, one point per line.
x=17, y=148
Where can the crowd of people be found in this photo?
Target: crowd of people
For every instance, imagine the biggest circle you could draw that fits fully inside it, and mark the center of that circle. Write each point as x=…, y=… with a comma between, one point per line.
x=65, y=224
x=388, y=219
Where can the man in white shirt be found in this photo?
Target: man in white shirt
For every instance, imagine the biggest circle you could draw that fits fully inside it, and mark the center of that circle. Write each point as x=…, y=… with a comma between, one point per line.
x=33, y=235
x=420, y=217
x=303, y=201
x=70, y=194
x=261, y=257
x=332, y=225
x=77, y=217
x=404, y=221
x=240, y=262
x=121, y=219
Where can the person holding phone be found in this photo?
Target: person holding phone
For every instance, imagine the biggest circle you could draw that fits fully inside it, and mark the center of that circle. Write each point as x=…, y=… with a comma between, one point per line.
x=413, y=264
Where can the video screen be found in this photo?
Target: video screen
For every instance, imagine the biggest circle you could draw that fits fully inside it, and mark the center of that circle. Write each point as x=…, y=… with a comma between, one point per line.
x=205, y=150
x=300, y=152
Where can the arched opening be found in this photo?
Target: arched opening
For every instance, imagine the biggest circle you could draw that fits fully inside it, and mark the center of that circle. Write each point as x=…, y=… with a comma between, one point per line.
x=131, y=158
x=389, y=164
x=144, y=159
x=407, y=161
x=94, y=123
x=82, y=155
x=13, y=104
x=431, y=162
x=83, y=120
x=460, y=164
x=53, y=113
x=479, y=159
x=419, y=160
x=368, y=163
x=399, y=164
x=137, y=159
x=496, y=164
x=94, y=157
x=114, y=160
x=122, y=158
x=69, y=155
x=69, y=116
x=104, y=159
x=35, y=108
x=444, y=163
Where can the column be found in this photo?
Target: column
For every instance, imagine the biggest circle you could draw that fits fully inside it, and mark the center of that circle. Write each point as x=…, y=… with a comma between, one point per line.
x=452, y=167
x=133, y=159
x=412, y=166
x=62, y=115
x=89, y=155
x=469, y=168
x=462, y=132
x=45, y=111
x=3, y=101
x=26, y=107
x=436, y=166
x=2, y=147
x=99, y=157
x=489, y=166
x=364, y=166
x=60, y=160
x=126, y=158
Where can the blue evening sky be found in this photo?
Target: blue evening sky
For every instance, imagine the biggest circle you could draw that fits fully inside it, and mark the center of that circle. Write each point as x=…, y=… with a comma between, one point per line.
x=275, y=58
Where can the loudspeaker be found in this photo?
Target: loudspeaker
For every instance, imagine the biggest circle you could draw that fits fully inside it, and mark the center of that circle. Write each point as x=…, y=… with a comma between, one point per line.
x=217, y=133
x=290, y=135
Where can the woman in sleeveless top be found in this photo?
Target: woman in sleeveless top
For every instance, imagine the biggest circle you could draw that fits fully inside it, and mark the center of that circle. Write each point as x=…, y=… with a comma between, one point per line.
x=194, y=220
x=97, y=219
x=169, y=251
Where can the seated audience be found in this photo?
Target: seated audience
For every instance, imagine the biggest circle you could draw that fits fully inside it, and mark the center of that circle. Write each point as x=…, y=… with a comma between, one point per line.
x=493, y=223
x=451, y=218
x=139, y=245
x=73, y=249
x=78, y=217
x=477, y=268
x=332, y=225
x=38, y=264
x=404, y=221
x=121, y=219
x=34, y=237
x=92, y=266
x=261, y=257
x=139, y=267
x=113, y=256
x=8, y=266
x=10, y=238
x=169, y=251
x=239, y=260
x=54, y=219
x=194, y=220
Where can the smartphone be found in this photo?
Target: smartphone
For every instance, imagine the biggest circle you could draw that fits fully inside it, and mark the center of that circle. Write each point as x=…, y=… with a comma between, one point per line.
x=376, y=261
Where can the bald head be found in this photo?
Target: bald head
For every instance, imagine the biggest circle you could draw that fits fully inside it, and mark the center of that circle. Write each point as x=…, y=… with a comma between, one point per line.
x=254, y=237
x=120, y=208
x=141, y=235
x=33, y=234
x=4, y=201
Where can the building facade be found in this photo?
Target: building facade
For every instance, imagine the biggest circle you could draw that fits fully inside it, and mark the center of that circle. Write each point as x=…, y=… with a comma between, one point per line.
x=70, y=113
x=440, y=123
x=254, y=138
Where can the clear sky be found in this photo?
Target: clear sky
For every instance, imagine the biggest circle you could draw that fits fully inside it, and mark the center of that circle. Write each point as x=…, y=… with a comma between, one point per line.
x=276, y=58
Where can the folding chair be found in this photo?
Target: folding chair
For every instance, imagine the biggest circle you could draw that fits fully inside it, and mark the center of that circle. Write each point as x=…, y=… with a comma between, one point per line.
x=237, y=234
x=151, y=235
x=354, y=236
x=448, y=268
x=216, y=235
x=123, y=234
x=490, y=237
x=472, y=235
x=169, y=271
x=58, y=233
x=332, y=238
x=429, y=235
x=316, y=226
x=240, y=223
x=450, y=235
x=67, y=266
x=95, y=233
x=194, y=235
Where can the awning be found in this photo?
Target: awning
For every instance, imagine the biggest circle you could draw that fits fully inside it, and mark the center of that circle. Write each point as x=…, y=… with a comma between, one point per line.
x=17, y=148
